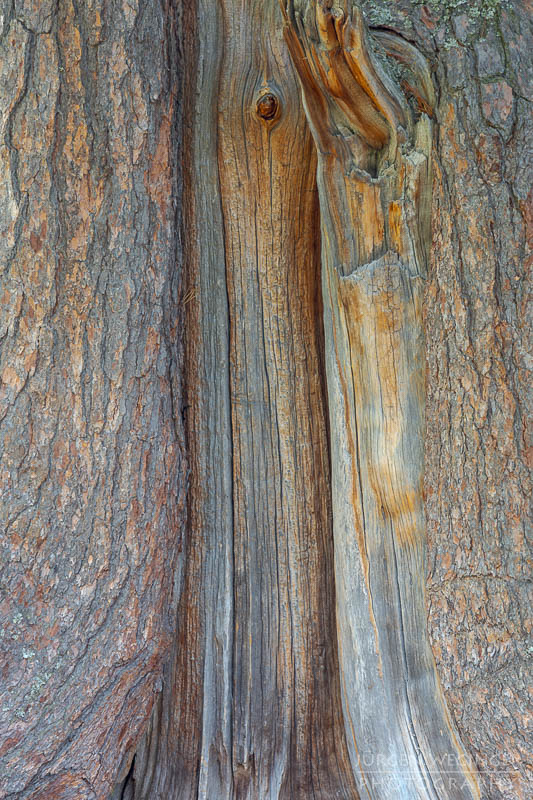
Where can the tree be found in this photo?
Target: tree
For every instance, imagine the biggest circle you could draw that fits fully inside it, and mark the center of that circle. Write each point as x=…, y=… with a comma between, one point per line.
x=212, y=531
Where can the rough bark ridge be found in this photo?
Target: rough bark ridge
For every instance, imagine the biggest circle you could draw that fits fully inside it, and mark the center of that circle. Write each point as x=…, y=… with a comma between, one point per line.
x=478, y=385
x=91, y=477
x=91, y=411
x=479, y=400
x=374, y=181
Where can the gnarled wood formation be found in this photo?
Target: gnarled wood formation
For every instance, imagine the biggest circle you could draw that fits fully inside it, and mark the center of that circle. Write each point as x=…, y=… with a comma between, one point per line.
x=374, y=146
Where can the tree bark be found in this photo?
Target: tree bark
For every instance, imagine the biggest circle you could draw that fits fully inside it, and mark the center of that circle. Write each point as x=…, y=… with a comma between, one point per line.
x=478, y=429
x=222, y=319
x=92, y=477
x=347, y=571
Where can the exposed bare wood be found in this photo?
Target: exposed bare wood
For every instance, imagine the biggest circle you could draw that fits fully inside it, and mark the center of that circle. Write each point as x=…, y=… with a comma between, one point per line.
x=374, y=180
x=110, y=114
x=255, y=697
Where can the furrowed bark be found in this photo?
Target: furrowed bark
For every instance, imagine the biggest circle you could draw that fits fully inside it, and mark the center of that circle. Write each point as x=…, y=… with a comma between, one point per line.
x=92, y=412
x=479, y=397
x=92, y=479
x=374, y=180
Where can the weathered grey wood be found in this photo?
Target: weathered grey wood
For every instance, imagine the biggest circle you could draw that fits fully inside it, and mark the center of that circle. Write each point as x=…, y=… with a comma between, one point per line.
x=190, y=727
x=253, y=709
x=374, y=182
x=91, y=411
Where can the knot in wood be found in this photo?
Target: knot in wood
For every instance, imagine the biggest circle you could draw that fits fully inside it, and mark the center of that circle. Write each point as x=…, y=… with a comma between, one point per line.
x=267, y=106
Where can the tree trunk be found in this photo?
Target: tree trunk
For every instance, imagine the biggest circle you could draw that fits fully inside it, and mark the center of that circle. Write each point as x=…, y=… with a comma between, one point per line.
x=233, y=238
x=347, y=614
x=92, y=476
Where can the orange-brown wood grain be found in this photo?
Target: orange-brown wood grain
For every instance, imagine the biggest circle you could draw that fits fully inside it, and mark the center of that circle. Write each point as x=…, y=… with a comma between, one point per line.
x=375, y=195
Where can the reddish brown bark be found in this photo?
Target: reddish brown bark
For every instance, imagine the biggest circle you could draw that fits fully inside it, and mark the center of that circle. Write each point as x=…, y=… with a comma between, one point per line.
x=92, y=478
x=93, y=474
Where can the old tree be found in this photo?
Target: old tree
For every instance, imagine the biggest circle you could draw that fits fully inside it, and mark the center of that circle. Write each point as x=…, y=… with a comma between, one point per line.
x=263, y=401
